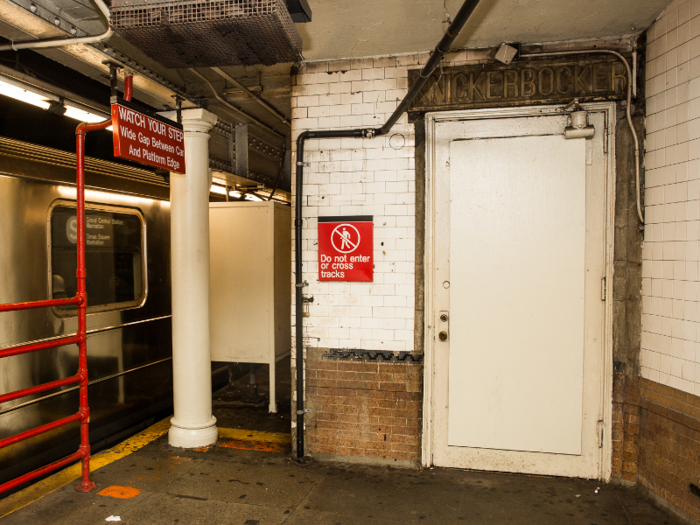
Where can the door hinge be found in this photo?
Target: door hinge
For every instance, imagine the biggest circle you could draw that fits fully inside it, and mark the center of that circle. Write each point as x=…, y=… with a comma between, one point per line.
x=601, y=433
x=605, y=139
x=603, y=289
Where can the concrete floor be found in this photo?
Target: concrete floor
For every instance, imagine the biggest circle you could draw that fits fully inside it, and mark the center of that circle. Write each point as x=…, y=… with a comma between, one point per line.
x=224, y=486
x=230, y=486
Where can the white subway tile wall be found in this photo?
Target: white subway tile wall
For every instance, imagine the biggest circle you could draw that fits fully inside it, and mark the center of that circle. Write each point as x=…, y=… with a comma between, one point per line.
x=361, y=177
x=670, y=303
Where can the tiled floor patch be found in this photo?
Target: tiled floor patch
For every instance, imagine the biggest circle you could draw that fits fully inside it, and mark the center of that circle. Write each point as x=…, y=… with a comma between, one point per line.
x=115, y=491
x=264, y=446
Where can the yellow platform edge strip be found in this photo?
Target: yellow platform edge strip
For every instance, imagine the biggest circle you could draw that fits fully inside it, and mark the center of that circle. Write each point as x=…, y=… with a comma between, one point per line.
x=63, y=477
x=60, y=479
x=254, y=435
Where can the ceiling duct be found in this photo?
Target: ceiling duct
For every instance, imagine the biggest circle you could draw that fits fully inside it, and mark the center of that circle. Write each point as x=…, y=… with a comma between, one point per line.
x=209, y=33
x=299, y=11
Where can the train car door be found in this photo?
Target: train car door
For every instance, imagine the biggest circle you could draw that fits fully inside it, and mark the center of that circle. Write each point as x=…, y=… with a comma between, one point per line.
x=519, y=256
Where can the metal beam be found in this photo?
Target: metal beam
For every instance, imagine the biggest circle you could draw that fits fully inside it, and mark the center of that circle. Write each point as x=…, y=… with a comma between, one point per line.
x=236, y=111
x=253, y=96
x=241, y=144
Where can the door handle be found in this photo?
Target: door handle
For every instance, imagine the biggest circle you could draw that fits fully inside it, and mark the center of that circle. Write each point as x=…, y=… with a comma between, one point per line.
x=442, y=336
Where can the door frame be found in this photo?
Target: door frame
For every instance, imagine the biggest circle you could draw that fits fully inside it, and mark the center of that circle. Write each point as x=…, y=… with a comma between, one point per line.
x=431, y=120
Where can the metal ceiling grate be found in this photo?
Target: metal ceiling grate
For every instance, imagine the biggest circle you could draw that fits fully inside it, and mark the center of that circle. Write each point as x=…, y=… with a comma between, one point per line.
x=208, y=33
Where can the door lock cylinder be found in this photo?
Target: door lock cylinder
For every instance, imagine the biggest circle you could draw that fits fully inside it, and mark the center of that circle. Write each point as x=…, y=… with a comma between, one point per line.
x=443, y=326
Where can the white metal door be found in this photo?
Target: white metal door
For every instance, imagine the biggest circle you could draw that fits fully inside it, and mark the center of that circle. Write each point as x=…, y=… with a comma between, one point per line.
x=518, y=320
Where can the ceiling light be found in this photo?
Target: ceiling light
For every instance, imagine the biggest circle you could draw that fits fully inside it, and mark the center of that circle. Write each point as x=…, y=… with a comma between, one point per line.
x=219, y=190
x=81, y=115
x=18, y=93
x=45, y=100
x=85, y=116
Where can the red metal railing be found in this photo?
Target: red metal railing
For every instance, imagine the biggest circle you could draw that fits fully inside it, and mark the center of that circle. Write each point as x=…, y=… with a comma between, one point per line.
x=80, y=339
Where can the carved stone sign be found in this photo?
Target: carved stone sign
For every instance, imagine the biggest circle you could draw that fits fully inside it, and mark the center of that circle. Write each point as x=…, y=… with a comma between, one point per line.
x=523, y=83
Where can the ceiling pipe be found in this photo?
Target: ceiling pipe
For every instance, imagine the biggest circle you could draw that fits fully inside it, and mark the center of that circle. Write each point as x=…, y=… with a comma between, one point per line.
x=59, y=42
x=253, y=96
x=235, y=110
x=433, y=62
x=440, y=50
x=128, y=87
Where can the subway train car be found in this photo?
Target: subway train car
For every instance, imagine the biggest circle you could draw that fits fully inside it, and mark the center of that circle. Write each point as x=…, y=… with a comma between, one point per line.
x=129, y=306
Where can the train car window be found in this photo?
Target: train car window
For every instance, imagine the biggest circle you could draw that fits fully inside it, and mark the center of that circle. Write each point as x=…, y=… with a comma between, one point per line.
x=113, y=257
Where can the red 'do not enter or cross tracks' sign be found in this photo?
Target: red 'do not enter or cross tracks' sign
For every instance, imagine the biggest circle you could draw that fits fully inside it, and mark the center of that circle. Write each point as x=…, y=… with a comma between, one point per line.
x=346, y=248
x=148, y=139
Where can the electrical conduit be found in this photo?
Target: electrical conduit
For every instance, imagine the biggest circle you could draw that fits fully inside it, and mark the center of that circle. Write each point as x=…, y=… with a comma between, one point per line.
x=630, y=81
x=58, y=42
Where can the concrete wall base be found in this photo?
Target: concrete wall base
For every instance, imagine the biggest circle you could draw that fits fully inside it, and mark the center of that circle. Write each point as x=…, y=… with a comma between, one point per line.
x=365, y=460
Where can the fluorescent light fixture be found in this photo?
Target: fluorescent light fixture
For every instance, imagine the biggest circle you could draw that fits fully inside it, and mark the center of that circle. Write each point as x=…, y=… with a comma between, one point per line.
x=31, y=95
x=220, y=190
x=18, y=93
x=82, y=115
x=251, y=197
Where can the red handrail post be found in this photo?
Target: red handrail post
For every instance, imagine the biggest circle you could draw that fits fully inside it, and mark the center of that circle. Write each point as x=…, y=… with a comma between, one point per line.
x=80, y=338
x=85, y=485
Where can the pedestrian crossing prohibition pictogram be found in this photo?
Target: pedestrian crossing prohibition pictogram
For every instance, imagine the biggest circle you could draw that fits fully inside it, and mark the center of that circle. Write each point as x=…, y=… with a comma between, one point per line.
x=345, y=248
x=349, y=242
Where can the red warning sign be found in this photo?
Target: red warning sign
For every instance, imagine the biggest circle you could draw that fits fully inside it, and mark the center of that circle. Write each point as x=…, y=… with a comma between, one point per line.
x=345, y=248
x=151, y=140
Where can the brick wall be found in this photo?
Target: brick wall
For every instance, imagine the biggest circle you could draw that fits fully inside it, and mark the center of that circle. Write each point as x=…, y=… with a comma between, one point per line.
x=669, y=443
x=365, y=409
x=625, y=431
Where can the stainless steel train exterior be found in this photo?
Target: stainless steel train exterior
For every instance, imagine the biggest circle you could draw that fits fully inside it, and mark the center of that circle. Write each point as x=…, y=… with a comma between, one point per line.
x=129, y=307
